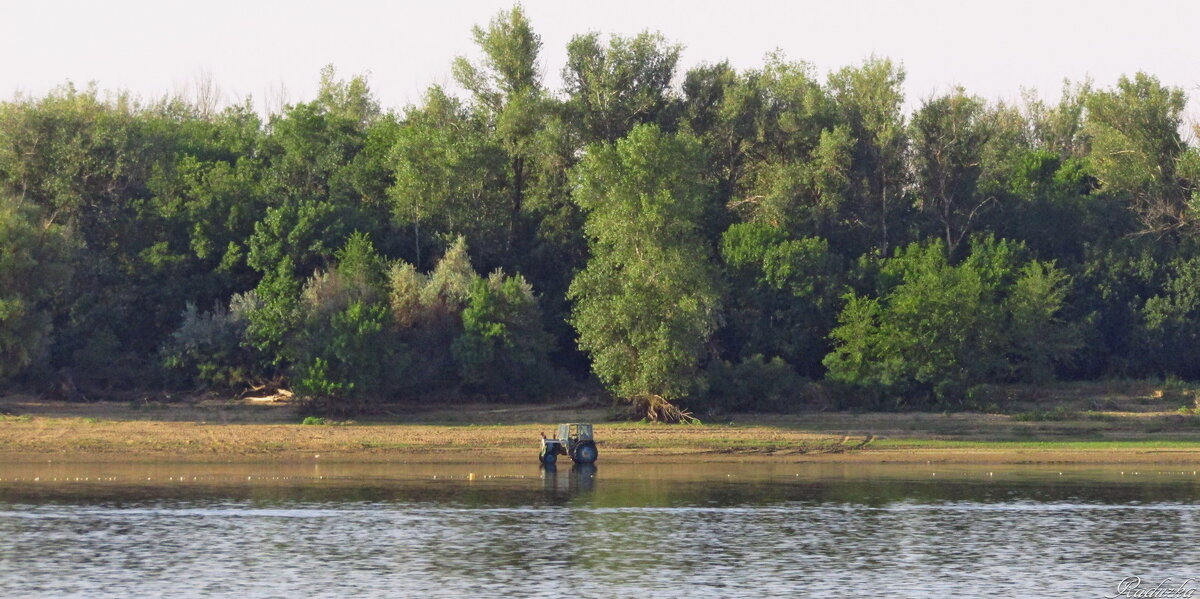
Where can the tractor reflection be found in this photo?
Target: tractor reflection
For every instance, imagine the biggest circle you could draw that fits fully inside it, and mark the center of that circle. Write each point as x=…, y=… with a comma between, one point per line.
x=579, y=478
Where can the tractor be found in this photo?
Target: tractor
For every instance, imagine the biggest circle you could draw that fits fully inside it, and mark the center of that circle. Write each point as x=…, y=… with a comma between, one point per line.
x=574, y=440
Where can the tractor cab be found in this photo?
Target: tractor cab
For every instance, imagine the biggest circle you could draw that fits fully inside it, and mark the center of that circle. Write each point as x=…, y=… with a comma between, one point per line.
x=574, y=440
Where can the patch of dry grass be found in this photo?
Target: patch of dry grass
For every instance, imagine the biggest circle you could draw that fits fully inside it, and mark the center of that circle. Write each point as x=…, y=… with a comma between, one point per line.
x=1086, y=422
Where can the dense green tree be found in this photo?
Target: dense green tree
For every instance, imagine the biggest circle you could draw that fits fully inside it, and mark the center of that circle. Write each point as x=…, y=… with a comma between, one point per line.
x=949, y=134
x=507, y=88
x=1039, y=338
x=785, y=295
x=646, y=305
x=797, y=173
x=449, y=179
x=1167, y=338
x=720, y=108
x=503, y=347
x=722, y=241
x=614, y=87
x=936, y=328
x=1059, y=129
x=1113, y=281
x=1041, y=193
x=869, y=101
x=88, y=163
x=754, y=384
x=34, y=272
x=311, y=177
x=1137, y=153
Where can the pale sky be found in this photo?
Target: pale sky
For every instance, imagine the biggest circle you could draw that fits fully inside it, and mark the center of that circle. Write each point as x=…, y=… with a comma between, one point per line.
x=257, y=48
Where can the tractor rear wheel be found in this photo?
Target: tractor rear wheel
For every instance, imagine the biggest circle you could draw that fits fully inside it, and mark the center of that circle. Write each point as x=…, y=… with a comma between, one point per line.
x=585, y=454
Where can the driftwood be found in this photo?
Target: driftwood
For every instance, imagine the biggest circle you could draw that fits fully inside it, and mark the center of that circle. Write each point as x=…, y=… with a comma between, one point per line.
x=278, y=395
x=841, y=446
x=267, y=392
x=65, y=388
x=656, y=409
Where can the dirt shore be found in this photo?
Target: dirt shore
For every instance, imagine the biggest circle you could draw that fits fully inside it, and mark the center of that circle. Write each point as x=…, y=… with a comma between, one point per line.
x=1137, y=425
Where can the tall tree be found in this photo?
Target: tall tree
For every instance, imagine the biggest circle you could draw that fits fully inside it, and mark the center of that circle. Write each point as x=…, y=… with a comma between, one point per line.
x=612, y=88
x=1138, y=154
x=870, y=101
x=34, y=272
x=310, y=151
x=507, y=87
x=646, y=305
x=1060, y=128
x=798, y=162
x=949, y=135
x=721, y=109
x=450, y=180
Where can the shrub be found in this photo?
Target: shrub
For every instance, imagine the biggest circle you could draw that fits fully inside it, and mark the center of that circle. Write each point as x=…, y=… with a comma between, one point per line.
x=209, y=347
x=937, y=328
x=346, y=358
x=33, y=270
x=447, y=288
x=503, y=347
x=427, y=310
x=755, y=384
x=404, y=294
x=345, y=350
x=1055, y=414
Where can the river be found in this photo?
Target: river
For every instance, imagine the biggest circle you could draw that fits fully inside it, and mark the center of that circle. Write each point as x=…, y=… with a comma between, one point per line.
x=620, y=530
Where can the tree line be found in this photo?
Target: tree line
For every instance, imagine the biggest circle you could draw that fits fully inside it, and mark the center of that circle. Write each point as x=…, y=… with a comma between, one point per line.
x=715, y=239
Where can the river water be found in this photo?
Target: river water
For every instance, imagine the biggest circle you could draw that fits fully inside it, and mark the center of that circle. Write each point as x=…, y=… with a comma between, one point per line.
x=619, y=530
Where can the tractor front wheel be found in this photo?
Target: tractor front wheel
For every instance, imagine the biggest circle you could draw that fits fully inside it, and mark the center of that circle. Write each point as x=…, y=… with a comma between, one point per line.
x=548, y=456
x=585, y=454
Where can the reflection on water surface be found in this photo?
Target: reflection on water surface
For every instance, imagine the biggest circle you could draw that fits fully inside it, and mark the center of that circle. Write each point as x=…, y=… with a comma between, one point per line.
x=616, y=530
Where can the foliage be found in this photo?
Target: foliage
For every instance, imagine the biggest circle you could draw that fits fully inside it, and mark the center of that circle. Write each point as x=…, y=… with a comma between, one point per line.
x=646, y=305
x=712, y=239
x=33, y=273
x=789, y=295
x=755, y=385
x=345, y=355
x=1167, y=336
x=449, y=178
x=615, y=87
x=343, y=347
x=949, y=137
x=869, y=99
x=209, y=347
x=503, y=347
x=936, y=328
x=1137, y=153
